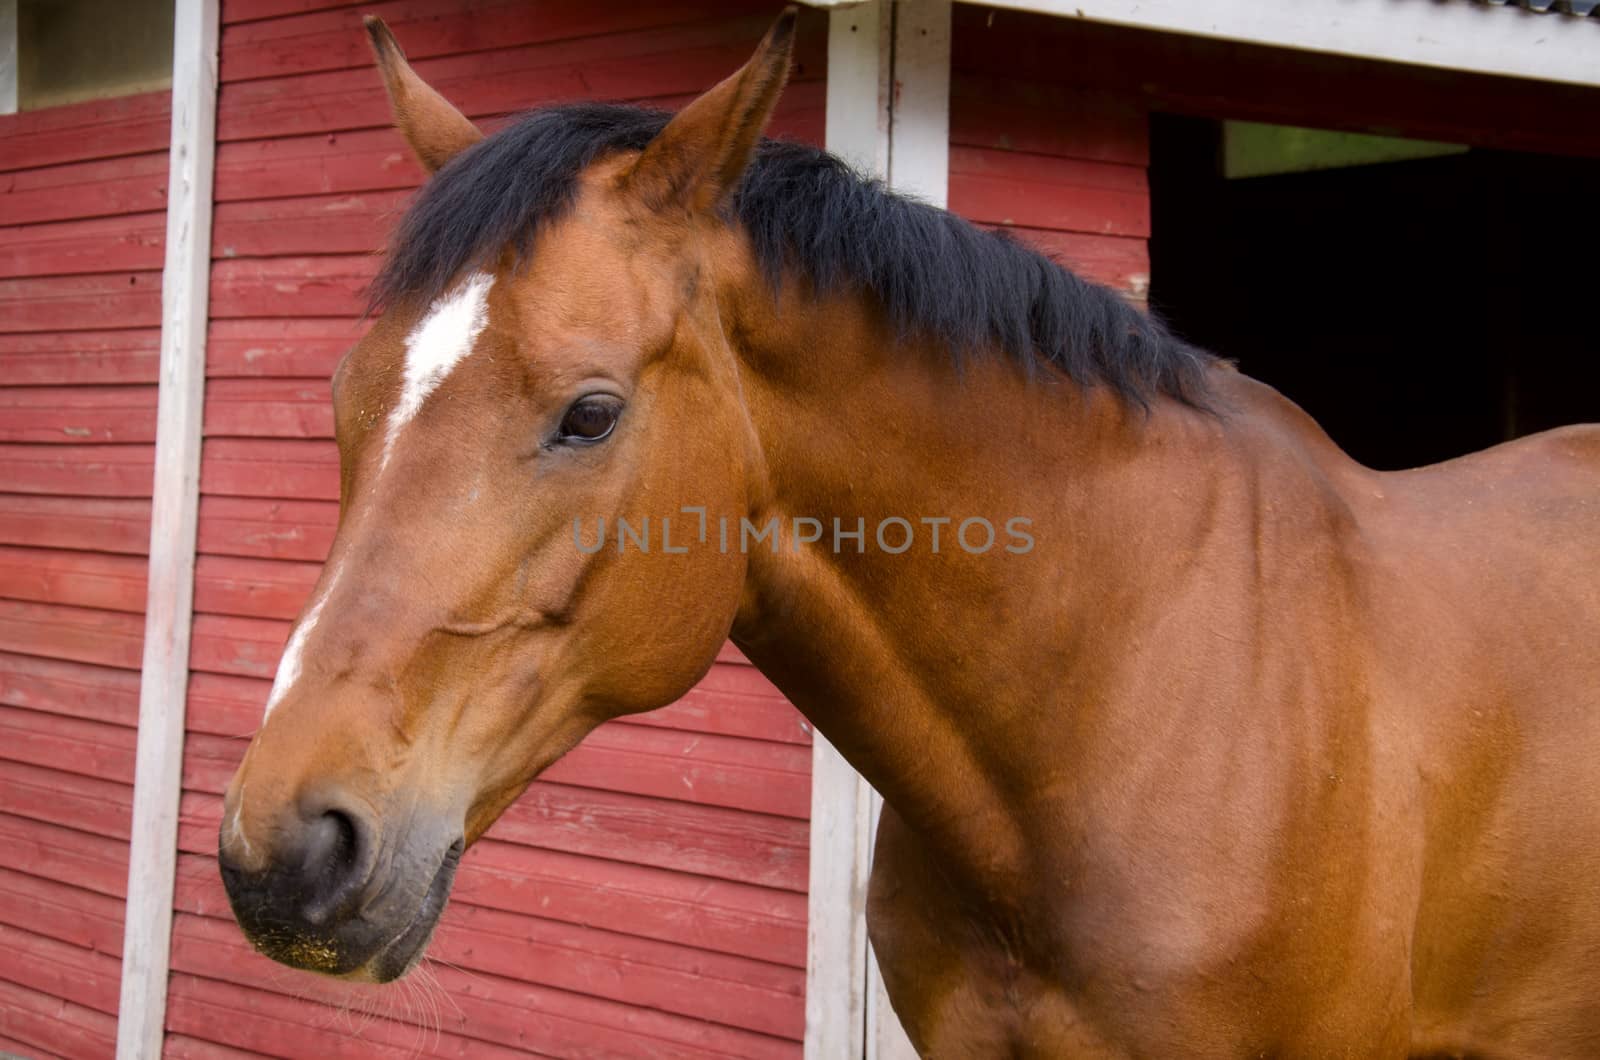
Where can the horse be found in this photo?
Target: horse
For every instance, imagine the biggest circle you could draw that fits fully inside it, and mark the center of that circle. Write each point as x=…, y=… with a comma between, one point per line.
x=1196, y=737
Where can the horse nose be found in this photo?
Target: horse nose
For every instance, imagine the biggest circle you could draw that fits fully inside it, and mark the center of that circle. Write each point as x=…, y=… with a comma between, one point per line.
x=315, y=871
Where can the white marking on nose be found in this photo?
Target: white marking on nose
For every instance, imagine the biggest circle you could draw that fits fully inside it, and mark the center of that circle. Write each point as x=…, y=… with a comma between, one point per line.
x=236, y=828
x=436, y=345
x=289, y=664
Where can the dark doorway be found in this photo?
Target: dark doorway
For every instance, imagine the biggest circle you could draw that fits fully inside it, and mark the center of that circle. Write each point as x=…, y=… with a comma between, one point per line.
x=1419, y=309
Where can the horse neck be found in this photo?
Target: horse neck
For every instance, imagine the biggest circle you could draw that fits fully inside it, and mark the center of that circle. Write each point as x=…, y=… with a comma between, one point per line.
x=944, y=678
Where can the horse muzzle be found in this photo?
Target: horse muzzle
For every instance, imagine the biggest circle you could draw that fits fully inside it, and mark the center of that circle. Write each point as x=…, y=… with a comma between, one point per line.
x=332, y=895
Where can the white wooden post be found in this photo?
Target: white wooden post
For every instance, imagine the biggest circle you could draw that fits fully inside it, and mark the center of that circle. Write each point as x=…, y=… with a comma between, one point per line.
x=889, y=115
x=919, y=165
x=8, y=56
x=859, y=41
x=174, y=511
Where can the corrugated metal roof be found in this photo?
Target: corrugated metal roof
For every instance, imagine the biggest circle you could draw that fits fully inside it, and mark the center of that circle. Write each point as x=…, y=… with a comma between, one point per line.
x=1565, y=7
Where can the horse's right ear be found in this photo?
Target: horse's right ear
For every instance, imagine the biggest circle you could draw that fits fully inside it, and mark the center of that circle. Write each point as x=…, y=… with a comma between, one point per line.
x=436, y=131
x=699, y=158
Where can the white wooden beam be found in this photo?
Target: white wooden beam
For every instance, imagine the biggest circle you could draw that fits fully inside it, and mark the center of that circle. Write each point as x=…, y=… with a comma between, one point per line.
x=919, y=134
x=8, y=56
x=174, y=509
x=919, y=165
x=1481, y=38
x=860, y=43
x=888, y=114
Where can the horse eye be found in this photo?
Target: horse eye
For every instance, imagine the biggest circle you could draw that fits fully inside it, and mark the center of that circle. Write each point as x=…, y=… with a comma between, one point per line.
x=589, y=419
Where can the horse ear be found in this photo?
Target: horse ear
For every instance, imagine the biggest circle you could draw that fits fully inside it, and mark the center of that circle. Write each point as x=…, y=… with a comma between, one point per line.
x=436, y=131
x=699, y=158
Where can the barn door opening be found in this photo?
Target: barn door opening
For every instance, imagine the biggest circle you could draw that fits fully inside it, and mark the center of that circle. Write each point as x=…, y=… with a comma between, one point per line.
x=1420, y=300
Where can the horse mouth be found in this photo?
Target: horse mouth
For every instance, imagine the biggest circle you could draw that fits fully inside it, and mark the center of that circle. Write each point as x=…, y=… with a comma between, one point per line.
x=398, y=956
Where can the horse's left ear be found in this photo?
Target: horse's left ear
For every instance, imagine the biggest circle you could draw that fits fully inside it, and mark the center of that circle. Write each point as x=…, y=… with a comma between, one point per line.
x=435, y=129
x=698, y=159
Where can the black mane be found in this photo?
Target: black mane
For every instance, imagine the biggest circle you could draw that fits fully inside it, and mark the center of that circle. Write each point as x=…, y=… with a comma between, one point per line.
x=806, y=212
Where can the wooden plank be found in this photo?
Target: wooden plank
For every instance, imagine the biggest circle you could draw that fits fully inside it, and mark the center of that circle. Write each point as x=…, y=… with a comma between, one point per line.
x=324, y=224
x=75, y=690
x=296, y=348
x=20, y=1048
x=244, y=647
x=78, y=414
x=77, y=470
x=919, y=120
x=174, y=515
x=50, y=1026
x=332, y=40
x=644, y=64
x=860, y=121
x=301, y=470
x=107, y=524
x=71, y=745
x=268, y=408
x=62, y=303
x=333, y=163
x=76, y=975
x=77, y=132
x=100, y=244
x=920, y=163
x=495, y=1010
x=249, y=1003
x=105, y=638
x=709, y=840
x=68, y=357
x=734, y=991
x=253, y=588
x=183, y=1047
x=1050, y=119
x=250, y=1025
x=110, y=188
x=1004, y=202
x=61, y=911
x=49, y=851
x=267, y=529
x=8, y=57
x=251, y=10
x=333, y=286
x=73, y=800
x=80, y=579
x=763, y=777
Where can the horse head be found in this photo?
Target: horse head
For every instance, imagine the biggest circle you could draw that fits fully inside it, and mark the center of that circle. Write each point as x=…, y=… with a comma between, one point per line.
x=519, y=382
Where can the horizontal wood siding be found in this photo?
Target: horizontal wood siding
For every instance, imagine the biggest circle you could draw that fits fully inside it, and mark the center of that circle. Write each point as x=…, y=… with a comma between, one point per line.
x=646, y=897
x=1057, y=162
x=82, y=195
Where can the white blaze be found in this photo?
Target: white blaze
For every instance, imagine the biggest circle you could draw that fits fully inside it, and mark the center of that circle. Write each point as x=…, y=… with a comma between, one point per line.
x=436, y=345
x=289, y=665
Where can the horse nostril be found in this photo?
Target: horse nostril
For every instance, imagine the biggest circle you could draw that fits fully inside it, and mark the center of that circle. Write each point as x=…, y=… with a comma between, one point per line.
x=331, y=863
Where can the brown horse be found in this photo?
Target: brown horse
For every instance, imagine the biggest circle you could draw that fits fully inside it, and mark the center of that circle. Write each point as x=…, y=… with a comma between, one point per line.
x=1198, y=739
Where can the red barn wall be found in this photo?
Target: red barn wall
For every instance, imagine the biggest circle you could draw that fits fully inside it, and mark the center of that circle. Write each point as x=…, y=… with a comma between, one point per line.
x=82, y=201
x=646, y=897
x=1056, y=161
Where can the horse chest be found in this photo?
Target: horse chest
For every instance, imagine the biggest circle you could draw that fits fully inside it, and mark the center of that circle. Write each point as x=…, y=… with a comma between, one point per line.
x=1101, y=968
